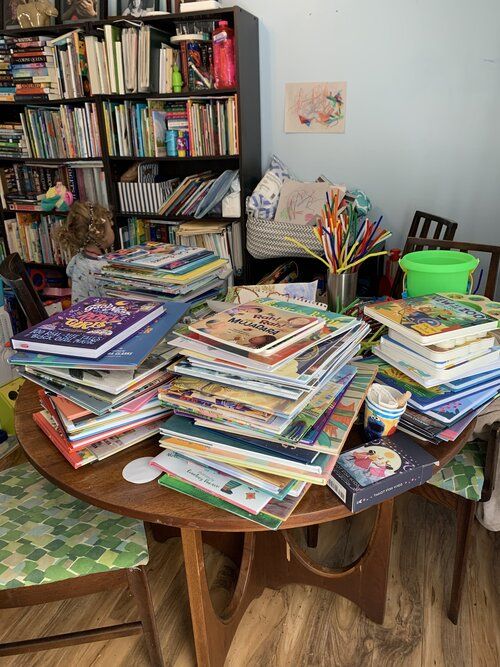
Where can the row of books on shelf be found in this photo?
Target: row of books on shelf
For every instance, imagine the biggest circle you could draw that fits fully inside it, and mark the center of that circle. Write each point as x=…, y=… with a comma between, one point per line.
x=190, y=128
x=22, y=186
x=34, y=237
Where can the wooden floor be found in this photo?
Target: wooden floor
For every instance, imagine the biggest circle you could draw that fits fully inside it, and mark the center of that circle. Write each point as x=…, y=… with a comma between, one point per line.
x=301, y=625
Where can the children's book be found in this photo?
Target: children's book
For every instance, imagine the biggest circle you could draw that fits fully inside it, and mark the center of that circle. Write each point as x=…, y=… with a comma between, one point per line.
x=255, y=327
x=379, y=470
x=154, y=255
x=89, y=328
x=214, y=482
x=431, y=319
x=48, y=425
x=427, y=375
x=451, y=412
x=462, y=351
x=475, y=381
x=126, y=355
x=424, y=399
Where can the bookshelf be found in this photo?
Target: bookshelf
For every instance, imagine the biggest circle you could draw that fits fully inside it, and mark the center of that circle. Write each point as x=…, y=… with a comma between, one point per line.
x=248, y=159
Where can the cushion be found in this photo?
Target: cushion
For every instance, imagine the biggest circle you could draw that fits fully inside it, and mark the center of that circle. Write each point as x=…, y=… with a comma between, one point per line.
x=47, y=535
x=464, y=474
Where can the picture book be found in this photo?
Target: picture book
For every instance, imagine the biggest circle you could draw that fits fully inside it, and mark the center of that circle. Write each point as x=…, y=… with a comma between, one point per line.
x=48, y=425
x=409, y=363
x=109, y=446
x=478, y=381
x=379, y=470
x=112, y=382
x=255, y=326
x=423, y=398
x=127, y=355
x=431, y=319
x=455, y=354
x=154, y=255
x=192, y=491
x=214, y=482
x=451, y=412
x=89, y=328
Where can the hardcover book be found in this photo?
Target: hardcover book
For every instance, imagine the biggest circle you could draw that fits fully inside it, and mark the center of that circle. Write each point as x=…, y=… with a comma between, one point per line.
x=431, y=319
x=379, y=470
x=89, y=328
x=255, y=327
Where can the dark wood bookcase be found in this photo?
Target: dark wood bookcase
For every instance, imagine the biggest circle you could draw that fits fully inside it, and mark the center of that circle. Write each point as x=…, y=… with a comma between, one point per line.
x=248, y=161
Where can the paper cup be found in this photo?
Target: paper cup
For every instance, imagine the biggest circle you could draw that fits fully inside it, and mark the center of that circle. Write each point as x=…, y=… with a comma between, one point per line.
x=380, y=421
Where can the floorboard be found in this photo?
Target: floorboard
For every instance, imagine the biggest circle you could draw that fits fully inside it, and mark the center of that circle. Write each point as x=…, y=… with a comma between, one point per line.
x=300, y=625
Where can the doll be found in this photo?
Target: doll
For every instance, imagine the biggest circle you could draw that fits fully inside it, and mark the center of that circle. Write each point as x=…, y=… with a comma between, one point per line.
x=87, y=234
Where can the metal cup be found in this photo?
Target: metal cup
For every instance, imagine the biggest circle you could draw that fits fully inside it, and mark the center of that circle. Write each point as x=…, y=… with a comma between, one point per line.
x=341, y=290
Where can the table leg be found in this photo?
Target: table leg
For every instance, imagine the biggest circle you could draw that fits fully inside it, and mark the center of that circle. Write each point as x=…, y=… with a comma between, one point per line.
x=274, y=559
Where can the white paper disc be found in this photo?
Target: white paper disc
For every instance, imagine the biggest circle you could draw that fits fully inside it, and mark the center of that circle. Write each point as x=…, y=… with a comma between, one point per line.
x=139, y=471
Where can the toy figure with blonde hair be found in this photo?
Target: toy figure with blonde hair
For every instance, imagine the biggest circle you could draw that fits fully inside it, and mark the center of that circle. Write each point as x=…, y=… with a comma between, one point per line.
x=87, y=234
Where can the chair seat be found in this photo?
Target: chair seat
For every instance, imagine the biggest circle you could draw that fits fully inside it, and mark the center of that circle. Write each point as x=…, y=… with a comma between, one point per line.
x=47, y=535
x=464, y=474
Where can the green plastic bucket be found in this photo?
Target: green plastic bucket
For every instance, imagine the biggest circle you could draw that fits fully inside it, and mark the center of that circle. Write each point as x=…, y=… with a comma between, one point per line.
x=431, y=271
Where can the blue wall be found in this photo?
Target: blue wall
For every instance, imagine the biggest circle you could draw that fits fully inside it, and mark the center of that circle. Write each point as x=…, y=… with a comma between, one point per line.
x=423, y=102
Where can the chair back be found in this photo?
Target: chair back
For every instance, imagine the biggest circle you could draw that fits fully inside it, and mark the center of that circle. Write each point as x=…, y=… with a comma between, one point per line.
x=436, y=244
x=14, y=275
x=421, y=228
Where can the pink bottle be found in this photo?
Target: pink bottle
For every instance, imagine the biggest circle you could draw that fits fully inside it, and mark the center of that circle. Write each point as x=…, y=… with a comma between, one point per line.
x=224, y=65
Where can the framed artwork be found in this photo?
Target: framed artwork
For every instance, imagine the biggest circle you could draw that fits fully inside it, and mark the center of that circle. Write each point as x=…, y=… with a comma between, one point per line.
x=79, y=10
x=315, y=107
x=32, y=14
x=133, y=8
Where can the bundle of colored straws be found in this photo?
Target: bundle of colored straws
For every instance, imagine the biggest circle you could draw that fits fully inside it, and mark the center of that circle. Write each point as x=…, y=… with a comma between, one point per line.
x=346, y=241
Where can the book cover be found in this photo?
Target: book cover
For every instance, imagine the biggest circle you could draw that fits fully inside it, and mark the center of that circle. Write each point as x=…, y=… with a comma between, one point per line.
x=254, y=326
x=48, y=425
x=379, y=470
x=154, y=255
x=431, y=319
x=92, y=327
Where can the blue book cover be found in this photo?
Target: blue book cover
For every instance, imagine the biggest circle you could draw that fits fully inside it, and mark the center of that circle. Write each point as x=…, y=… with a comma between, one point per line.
x=128, y=355
x=475, y=380
x=422, y=398
x=449, y=413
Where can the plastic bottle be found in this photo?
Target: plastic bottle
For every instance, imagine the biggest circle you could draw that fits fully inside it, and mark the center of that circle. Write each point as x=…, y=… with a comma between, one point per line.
x=223, y=47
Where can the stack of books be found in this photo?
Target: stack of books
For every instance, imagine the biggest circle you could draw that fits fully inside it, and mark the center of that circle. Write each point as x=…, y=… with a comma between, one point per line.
x=13, y=141
x=71, y=71
x=34, y=69
x=264, y=397
x=22, y=186
x=165, y=272
x=99, y=364
x=33, y=236
x=444, y=353
x=62, y=132
x=7, y=85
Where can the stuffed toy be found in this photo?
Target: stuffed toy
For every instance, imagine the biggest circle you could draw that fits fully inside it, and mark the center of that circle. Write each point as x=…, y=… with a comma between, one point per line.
x=57, y=197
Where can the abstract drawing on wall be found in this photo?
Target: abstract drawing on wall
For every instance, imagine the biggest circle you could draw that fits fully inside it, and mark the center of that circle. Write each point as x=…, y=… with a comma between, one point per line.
x=315, y=107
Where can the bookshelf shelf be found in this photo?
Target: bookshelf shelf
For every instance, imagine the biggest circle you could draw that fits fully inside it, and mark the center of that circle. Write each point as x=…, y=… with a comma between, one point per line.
x=248, y=161
x=175, y=219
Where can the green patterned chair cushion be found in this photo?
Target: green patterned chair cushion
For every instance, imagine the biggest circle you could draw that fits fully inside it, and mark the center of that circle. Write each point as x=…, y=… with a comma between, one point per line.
x=464, y=474
x=47, y=535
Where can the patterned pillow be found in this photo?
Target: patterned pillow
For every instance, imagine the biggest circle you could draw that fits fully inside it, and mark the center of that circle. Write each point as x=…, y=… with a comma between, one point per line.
x=47, y=535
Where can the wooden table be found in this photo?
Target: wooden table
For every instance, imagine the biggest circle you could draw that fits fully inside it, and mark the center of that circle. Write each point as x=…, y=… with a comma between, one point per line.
x=268, y=558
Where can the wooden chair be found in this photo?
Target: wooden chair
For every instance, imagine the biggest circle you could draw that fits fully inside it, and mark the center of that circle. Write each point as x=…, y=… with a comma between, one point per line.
x=14, y=275
x=55, y=547
x=463, y=506
x=421, y=228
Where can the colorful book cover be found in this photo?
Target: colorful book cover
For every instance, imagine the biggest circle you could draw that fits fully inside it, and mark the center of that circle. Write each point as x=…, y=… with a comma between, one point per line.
x=214, y=482
x=477, y=381
x=92, y=327
x=451, y=412
x=431, y=319
x=254, y=326
x=194, y=492
x=422, y=398
x=154, y=255
x=379, y=470
x=49, y=426
x=128, y=354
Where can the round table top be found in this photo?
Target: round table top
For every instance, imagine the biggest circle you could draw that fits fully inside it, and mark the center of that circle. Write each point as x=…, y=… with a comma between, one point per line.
x=101, y=483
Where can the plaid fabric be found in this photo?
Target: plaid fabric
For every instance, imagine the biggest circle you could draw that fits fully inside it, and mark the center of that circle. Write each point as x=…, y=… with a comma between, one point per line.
x=47, y=535
x=464, y=474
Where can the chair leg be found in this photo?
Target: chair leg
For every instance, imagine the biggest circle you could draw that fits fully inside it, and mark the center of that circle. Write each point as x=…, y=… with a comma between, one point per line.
x=465, y=511
x=139, y=587
x=312, y=536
